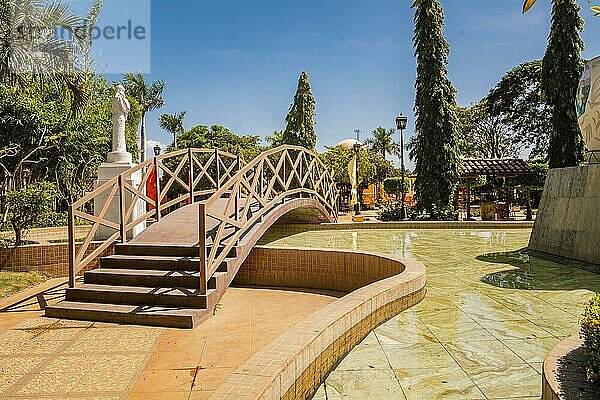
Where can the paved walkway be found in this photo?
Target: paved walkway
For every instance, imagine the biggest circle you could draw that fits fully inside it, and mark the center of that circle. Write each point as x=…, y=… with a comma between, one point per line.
x=45, y=358
x=191, y=364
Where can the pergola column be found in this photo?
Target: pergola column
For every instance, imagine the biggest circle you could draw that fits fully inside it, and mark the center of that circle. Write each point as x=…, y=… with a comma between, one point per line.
x=468, y=199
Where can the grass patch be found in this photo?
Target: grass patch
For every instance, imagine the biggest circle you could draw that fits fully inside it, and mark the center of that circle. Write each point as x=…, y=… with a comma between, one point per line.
x=14, y=282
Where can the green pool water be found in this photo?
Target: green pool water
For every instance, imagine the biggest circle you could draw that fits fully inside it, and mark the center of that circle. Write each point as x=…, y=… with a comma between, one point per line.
x=489, y=318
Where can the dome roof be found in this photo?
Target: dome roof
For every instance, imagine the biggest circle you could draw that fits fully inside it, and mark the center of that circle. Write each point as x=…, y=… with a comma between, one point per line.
x=348, y=144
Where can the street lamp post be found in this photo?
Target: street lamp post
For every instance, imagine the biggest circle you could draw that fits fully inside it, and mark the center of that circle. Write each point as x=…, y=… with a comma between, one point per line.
x=357, y=147
x=401, y=123
x=157, y=150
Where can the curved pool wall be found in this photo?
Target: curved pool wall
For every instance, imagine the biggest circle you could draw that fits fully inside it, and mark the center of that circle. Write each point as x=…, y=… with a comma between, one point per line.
x=490, y=316
x=295, y=364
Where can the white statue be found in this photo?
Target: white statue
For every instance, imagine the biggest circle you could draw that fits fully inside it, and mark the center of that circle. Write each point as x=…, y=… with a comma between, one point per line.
x=120, y=109
x=588, y=105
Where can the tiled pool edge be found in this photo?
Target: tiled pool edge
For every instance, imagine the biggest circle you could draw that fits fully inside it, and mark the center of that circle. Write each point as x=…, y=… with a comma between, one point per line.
x=341, y=226
x=295, y=364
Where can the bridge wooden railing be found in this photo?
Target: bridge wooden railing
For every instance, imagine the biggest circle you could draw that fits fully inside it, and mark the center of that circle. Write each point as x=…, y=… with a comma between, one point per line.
x=273, y=177
x=183, y=176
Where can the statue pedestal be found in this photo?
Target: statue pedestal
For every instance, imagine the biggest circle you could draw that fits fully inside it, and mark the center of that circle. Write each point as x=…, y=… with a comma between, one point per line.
x=106, y=172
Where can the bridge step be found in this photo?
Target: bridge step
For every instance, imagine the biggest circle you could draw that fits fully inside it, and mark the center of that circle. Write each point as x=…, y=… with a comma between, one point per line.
x=172, y=317
x=143, y=278
x=151, y=263
x=134, y=295
x=163, y=250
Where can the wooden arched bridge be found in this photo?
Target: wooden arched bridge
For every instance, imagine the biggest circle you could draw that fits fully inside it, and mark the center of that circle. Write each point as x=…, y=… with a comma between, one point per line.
x=209, y=211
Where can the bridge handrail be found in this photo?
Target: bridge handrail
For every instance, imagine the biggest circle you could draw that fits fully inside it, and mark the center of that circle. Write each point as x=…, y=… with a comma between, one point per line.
x=183, y=171
x=274, y=176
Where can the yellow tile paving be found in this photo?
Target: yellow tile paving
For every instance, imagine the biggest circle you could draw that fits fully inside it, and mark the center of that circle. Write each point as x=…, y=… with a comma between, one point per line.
x=490, y=316
x=191, y=364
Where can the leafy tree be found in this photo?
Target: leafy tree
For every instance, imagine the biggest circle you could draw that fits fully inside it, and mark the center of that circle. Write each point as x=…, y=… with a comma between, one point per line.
x=383, y=143
x=219, y=137
x=41, y=141
x=394, y=185
x=517, y=99
x=561, y=71
x=300, y=121
x=372, y=168
x=276, y=139
x=173, y=123
x=435, y=147
x=29, y=49
x=483, y=134
x=149, y=98
x=29, y=205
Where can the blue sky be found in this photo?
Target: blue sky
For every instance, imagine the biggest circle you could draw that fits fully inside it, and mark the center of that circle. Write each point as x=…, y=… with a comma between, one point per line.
x=236, y=63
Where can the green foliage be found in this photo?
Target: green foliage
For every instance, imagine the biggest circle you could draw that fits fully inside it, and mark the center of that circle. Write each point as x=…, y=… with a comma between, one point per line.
x=15, y=282
x=484, y=135
x=372, y=168
x=534, y=181
x=173, y=123
x=435, y=147
x=219, y=137
x=41, y=141
x=29, y=50
x=28, y=205
x=590, y=333
x=300, y=121
x=394, y=185
x=383, y=143
x=149, y=97
x=392, y=212
x=561, y=71
x=518, y=102
x=276, y=139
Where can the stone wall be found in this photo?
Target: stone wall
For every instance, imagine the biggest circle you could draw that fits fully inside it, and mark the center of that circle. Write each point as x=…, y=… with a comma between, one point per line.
x=568, y=221
x=50, y=259
x=294, y=365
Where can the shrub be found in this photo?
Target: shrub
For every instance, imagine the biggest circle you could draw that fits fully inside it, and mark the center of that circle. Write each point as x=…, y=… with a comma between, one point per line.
x=590, y=333
x=391, y=213
x=394, y=185
x=29, y=206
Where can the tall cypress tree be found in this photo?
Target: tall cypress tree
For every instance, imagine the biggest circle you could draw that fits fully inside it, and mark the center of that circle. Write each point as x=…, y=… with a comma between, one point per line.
x=300, y=121
x=435, y=147
x=561, y=71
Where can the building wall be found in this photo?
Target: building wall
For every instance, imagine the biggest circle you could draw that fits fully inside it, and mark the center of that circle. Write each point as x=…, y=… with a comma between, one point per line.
x=568, y=222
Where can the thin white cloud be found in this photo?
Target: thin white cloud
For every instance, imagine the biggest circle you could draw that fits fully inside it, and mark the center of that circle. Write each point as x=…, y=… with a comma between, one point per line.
x=229, y=54
x=151, y=144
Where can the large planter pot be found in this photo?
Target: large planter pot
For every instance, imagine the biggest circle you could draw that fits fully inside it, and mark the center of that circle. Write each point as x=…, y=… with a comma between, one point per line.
x=588, y=105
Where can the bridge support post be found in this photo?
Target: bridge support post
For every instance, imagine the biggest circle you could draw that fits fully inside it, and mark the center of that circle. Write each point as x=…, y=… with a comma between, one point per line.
x=218, y=163
x=72, y=251
x=191, y=174
x=157, y=180
x=122, y=208
x=202, y=247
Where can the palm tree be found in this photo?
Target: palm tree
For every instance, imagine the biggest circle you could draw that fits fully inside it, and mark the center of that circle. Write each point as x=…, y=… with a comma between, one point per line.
x=30, y=49
x=149, y=97
x=173, y=123
x=383, y=143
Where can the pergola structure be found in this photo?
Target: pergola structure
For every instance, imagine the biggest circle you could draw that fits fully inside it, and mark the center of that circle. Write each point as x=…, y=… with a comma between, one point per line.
x=499, y=167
